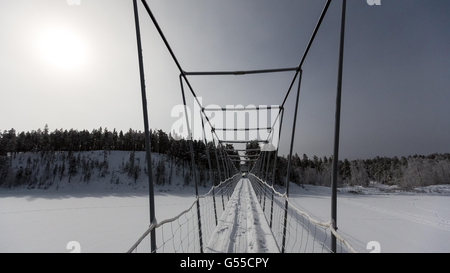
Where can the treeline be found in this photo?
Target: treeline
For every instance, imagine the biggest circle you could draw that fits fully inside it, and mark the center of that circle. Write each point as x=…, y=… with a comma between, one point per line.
x=103, y=139
x=71, y=142
x=407, y=172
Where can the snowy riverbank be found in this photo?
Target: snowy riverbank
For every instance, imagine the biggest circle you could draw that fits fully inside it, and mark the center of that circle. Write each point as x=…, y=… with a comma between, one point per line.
x=111, y=220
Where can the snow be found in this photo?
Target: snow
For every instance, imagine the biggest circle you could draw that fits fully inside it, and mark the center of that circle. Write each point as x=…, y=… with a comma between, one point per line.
x=112, y=220
x=105, y=217
x=102, y=221
x=400, y=221
x=243, y=227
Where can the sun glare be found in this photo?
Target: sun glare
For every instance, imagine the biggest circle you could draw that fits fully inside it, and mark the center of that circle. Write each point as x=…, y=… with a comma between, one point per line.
x=62, y=49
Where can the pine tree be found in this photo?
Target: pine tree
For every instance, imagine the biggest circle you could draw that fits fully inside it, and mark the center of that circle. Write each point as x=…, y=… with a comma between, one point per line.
x=62, y=170
x=160, y=173
x=73, y=167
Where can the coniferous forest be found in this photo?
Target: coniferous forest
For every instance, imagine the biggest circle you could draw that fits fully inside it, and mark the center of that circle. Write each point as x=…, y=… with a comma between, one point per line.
x=49, y=156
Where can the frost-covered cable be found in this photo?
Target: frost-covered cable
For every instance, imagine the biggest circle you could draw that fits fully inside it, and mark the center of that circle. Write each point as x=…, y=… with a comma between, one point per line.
x=326, y=225
x=146, y=233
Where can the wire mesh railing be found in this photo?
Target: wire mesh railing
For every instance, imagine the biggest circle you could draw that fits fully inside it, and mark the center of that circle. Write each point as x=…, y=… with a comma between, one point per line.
x=180, y=234
x=295, y=231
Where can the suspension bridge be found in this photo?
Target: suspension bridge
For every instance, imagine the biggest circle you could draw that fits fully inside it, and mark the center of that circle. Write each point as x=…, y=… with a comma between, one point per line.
x=244, y=212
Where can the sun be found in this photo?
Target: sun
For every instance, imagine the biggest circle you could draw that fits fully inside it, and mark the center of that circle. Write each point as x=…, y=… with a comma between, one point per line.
x=62, y=48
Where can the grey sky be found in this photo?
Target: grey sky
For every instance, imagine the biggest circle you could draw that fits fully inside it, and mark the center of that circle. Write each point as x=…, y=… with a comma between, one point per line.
x=396, y=80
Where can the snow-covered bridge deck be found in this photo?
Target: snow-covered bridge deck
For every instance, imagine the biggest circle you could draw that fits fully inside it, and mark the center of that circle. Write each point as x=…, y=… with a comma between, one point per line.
x=243, y=227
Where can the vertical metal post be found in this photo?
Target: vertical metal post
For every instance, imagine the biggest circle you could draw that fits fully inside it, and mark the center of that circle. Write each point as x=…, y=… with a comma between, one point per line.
x=146, y=129
x=227, y=163
x=210, y=169
x=207, y=153
x=274, y=167
x=218, y=168
x=273, y=181
x=263, y=161
x=258, y=163
x=223, y=164
x=265, y=178
x=289, y=163
x=261, y=172
x=217, y=159
x=337, y=129
x=225, y=159
x=191, y=140
x=267, y=166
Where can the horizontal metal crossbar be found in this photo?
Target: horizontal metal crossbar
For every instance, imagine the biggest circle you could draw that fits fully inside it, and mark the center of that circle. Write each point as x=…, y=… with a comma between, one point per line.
x=237, y=73
x=243, y=150
x=242, y=141
x=242, y=129
x=243, y=156
x=243, y=109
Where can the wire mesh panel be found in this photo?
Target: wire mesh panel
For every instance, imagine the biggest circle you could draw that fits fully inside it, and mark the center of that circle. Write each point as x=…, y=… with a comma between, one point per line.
x=181, y=233
x=294, y=230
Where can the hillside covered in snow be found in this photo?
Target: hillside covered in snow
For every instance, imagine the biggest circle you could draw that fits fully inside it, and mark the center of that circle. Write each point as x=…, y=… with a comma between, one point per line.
x=97, y=169
x=44, y=159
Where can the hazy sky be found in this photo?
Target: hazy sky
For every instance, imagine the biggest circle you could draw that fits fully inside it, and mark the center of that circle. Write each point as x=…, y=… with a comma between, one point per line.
x=75, y=66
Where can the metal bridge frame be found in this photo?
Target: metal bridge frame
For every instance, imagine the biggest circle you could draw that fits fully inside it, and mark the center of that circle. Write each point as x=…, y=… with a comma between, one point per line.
x=225, y=161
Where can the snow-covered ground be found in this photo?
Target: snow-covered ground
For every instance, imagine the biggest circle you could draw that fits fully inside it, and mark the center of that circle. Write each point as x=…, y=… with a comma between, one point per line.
x=111, y=220
x=399, y=221
x=101, y=221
